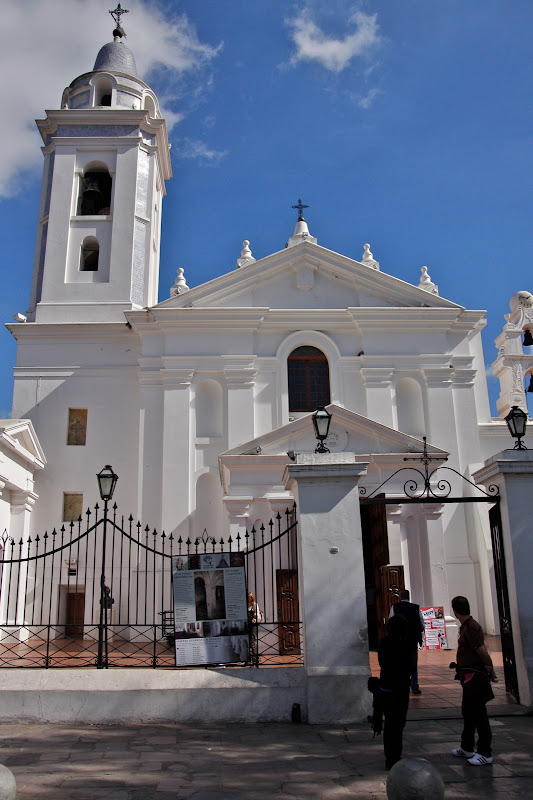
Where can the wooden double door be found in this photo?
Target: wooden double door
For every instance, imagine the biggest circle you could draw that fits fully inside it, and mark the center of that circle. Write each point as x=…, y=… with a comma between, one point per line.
x=383, y=581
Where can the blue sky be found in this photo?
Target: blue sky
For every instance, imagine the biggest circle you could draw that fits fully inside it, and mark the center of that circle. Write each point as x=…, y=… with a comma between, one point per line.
x=403, y=123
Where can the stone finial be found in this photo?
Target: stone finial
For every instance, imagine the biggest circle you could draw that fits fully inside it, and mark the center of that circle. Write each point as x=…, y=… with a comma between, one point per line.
x=426, y=283
x=181, y=285
x=521, y=299
x=246, y=255
x=368, y=259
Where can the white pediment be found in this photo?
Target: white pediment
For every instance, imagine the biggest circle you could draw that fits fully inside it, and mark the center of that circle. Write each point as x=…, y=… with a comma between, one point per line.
x=260, y=462
x=18, y=436
x=306, y=276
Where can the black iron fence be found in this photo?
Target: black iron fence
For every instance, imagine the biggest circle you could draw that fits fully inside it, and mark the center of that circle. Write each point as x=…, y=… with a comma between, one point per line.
x=98, y=593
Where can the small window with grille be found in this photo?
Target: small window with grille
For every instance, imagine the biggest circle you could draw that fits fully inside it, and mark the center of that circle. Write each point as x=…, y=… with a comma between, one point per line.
x=308, y=379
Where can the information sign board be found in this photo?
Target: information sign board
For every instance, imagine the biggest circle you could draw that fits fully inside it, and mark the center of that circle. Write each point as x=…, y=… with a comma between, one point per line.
x=434, y=628
x=210, y=609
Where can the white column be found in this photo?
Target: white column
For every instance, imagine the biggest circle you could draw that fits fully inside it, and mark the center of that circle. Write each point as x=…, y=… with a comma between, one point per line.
x=512, y=472
x=22, y=503
x=238, y=514
x=332, y=585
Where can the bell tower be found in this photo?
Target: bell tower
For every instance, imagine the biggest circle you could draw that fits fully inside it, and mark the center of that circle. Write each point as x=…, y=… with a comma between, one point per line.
x=107, y=159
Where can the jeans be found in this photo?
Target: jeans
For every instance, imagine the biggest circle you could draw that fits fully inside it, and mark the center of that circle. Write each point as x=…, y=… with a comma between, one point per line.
x=474, y=711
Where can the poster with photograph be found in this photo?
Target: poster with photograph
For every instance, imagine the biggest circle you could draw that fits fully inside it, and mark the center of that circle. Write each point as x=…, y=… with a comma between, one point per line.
x=210, y=609
x=434, y=628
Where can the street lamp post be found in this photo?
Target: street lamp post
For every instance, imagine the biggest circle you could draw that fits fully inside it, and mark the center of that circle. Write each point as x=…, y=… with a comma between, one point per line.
x=107, y=480
x=516, y=421
x=321, y=423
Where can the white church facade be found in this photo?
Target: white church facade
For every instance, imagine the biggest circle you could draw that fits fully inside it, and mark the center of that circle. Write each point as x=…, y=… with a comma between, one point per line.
x=200, y=401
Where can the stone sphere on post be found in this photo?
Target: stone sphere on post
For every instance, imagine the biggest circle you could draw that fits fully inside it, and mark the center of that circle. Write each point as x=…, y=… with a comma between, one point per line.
x=414, y=779
x=8, y=785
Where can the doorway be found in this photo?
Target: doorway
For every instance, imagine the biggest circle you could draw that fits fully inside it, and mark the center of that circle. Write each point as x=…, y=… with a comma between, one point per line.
x=75, y=614
x=288, y=611
x=382, y=581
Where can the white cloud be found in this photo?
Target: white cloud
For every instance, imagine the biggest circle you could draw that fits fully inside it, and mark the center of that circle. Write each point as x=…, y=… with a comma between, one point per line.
x=334, y=54
x=207, y=157
x=365, y=101
x=42, y=52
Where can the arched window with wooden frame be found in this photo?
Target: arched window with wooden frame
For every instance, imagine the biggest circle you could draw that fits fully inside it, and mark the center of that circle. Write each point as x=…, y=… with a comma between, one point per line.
x=308, y=379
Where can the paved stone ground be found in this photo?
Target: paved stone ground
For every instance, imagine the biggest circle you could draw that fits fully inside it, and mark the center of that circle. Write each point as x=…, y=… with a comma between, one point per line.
x=240, y=762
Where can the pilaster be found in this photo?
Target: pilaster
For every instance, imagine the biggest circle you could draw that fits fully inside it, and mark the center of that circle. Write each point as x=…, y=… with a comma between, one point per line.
x=176, y=490
x=378, y=387
x=512, y=472
x=240, y=388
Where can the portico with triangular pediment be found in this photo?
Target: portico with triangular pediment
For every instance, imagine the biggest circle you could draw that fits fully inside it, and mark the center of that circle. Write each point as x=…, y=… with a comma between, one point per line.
x=255, y=490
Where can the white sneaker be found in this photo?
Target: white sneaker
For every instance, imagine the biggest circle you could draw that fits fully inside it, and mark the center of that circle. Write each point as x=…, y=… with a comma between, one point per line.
x=460, y=753
x=478, y=759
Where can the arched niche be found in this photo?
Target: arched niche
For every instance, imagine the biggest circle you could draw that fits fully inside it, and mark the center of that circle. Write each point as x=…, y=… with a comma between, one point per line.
x=149, y=105
x=89, y=255
x=208, y=409
x=210, y=513
x=410, y=407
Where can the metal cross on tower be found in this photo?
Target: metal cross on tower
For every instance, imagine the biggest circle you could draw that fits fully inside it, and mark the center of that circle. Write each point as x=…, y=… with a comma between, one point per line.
x=117, y=13
x=300, y=206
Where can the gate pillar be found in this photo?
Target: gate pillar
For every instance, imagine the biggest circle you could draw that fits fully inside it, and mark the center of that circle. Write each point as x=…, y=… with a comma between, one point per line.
x=332, y=585
x=512, y=472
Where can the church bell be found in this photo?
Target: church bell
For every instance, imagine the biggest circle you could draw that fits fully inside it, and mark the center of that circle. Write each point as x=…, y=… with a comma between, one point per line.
x=528, y=338
x=530, y=387
x=92, y=199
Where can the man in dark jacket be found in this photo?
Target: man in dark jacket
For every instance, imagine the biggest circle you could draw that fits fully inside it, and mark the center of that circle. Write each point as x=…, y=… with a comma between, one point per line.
x=475, y=671
x=394, y=656
x=411, y=613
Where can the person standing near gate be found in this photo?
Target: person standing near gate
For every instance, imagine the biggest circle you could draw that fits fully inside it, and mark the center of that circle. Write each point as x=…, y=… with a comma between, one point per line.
x=412, y=614
x=394, y=656
x=475, y=670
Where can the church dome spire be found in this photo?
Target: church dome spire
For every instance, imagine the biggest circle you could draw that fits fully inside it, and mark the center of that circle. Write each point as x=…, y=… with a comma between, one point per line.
x=113, y=82
x=116, y=56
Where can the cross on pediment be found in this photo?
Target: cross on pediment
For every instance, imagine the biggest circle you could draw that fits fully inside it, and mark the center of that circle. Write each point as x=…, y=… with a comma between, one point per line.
x=300, y=206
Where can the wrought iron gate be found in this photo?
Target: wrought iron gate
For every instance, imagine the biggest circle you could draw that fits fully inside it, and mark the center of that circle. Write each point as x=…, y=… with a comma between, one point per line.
x=504, y=610
x=429, y=486
x=98, y=593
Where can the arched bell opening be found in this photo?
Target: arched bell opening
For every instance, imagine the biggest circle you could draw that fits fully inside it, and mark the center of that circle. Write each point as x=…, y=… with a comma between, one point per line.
x=90, y=253
x=95, y=192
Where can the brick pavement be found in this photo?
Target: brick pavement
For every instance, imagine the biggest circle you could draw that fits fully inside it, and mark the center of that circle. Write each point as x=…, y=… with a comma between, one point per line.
x=261, y=761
